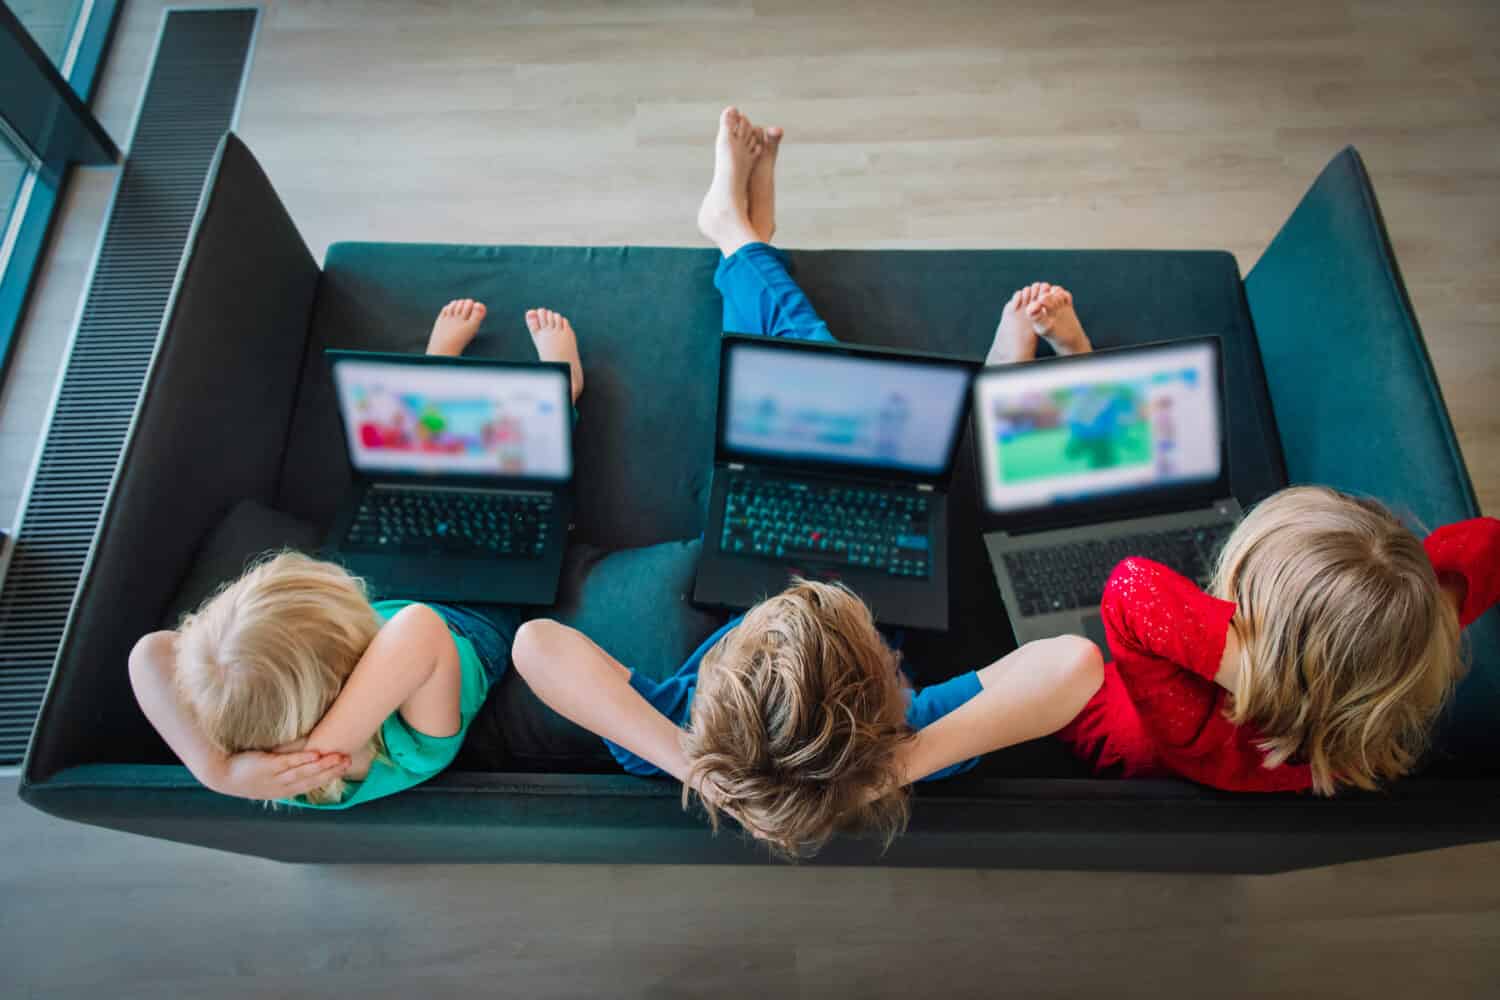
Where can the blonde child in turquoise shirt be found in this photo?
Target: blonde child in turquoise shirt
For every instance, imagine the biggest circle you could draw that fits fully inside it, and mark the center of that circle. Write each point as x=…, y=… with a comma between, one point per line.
x=289, y=684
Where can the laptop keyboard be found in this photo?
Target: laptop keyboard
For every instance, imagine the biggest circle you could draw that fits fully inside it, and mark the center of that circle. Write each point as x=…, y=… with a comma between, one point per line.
x=451, y=522
x=841, y=526
x=1072, y=575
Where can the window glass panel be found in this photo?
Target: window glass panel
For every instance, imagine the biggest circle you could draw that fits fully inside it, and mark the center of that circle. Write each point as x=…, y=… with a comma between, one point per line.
x=13, y=169
x=50, y=24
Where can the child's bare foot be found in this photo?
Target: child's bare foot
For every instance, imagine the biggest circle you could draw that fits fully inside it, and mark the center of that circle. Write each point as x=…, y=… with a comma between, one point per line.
x=724, y=216
x=1052, y=317
x=1015, y=340
x=456, y=325
x=1041, y=310
x=763, y=184
x=555, y=341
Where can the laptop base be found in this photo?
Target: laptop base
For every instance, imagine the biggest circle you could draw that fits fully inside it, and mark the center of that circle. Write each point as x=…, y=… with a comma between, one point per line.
x=735, y=581
x=459, y=578
x=1085, y=620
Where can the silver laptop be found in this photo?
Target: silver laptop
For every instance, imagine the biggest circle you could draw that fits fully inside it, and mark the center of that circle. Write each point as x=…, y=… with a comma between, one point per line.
x=1085, y=460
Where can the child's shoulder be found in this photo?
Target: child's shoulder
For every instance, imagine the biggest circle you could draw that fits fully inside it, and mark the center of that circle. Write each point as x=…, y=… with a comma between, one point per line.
x=409, y=624
x=926, y=705
x=407, y=613
x=155, y=645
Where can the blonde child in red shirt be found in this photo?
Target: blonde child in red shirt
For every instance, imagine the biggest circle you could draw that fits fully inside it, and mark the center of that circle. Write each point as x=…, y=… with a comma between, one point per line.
x=1326, y=645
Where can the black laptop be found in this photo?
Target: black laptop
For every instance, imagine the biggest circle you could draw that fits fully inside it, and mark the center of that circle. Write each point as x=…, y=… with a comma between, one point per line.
x=832, y=462
x=1088, y=459
x=462, y=472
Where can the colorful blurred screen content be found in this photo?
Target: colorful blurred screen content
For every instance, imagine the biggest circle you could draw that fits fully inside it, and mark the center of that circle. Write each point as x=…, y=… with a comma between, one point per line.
x=866, y=411
x=1059, y=433
x=434, y=420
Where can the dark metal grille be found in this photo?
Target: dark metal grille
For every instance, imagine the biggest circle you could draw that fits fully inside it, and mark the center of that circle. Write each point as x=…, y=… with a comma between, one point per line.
x=189, y=103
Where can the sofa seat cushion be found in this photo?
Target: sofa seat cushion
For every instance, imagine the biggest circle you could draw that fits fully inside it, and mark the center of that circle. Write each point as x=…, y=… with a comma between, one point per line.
x=634, y=604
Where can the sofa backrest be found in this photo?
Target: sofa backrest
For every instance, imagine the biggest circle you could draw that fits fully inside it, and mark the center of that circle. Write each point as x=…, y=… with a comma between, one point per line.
x=1357, y=402
x=210, y=430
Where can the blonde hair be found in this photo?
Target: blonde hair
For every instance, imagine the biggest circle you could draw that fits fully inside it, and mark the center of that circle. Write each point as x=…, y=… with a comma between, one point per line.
x=261, y=661
x=1349, y=647
x=796, y=722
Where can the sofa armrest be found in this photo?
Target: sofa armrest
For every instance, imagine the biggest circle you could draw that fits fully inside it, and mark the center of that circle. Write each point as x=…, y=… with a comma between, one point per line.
x=209, y=430
x=1355, y=396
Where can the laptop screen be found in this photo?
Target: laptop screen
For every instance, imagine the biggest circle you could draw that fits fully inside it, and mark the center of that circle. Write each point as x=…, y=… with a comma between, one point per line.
x=1111, y=422
x=882, y=413
x=435, y=418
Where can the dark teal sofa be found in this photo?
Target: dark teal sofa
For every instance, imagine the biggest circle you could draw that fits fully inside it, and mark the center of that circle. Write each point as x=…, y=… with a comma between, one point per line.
x=1329, y=382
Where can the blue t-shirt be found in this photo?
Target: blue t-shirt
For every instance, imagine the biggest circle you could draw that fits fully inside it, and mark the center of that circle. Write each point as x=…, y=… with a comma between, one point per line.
x=673, y=697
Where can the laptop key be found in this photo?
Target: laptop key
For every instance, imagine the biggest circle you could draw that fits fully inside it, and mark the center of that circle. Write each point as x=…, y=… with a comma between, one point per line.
x=831, y=525
x=451, y=523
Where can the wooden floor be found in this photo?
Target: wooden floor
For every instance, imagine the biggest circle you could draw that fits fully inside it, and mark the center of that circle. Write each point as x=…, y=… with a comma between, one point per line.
x=1038, y=123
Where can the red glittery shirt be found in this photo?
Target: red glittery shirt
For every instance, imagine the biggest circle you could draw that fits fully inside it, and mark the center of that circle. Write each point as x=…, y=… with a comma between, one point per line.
x=1159, y=711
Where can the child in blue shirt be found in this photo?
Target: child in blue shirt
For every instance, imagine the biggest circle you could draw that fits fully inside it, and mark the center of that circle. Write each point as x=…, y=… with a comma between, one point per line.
x=673, y=698
x=796, y=718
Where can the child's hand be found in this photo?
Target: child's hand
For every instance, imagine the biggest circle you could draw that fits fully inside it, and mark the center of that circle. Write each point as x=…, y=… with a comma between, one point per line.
x=254, y=775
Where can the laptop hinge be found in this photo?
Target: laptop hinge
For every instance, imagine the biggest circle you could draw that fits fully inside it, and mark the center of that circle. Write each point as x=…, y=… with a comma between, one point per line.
x=391, y=487
x=1223, y=506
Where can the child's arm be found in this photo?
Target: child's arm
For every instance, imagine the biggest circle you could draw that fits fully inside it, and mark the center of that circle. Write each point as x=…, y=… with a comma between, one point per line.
x=1153, y=612
x=1174, y=645
x=247, y=775
x=585, y=685
x=1028, y=694
x=1178, y=656
x=411, y=666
